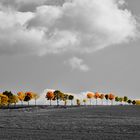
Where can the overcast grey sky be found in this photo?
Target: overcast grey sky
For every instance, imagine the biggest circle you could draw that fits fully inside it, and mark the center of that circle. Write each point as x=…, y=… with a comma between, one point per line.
x=80, y=46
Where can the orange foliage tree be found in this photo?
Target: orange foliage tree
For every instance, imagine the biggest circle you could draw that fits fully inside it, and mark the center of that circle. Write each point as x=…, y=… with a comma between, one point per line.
x=28, y=96
x=90, y=95
x=50, y=96
x=96, y=96
x=102, y=96
x=111, y=97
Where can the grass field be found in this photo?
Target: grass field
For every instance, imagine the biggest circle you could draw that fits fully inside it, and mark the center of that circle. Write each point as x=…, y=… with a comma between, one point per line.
x=72, y=123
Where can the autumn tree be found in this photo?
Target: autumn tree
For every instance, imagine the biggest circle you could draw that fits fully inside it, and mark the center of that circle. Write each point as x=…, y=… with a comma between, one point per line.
x=137, y=102
x=28, y=97
x=50, y=96
x=90, y=95
x=65, y=98
x=58, y=95
x=96, y=96
x=35, y=97
x=102, y=96
x=3, y=100
x=14, y=100
x=111, y=97
x=21, y=96
x=9, y=94
x=71, y=97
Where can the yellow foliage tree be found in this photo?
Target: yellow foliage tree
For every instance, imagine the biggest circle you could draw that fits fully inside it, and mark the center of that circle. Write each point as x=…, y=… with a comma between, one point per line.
x=13, y=99
x=35, y=97
x=3, y=100
x=137, y=102
x=21, y=96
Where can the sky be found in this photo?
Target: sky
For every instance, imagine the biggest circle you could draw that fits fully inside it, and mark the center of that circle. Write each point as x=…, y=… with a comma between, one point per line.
x=70, y=45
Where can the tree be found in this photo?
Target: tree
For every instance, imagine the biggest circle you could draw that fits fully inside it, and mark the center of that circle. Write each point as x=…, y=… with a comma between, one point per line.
x=58, y=95
x=65, y=98
x=21, y=96
x=14, y=99
x=71, y=97
x=3, y=100
x=107, y=97
x=96, y=96
x=35, y=97
x=125, y=99
x=117, y=99
x=134, y=102
x=121, y=100
x=9, y=94
x=28, y=97
x=137, y=102
x=78, y=102
x=90, y=95
x=84, y=101
x=102, y=97
x=50, y=96
x=111, y=98
x=129, y=101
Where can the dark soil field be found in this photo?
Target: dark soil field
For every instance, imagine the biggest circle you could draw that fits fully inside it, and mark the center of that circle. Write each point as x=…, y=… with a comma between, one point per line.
x=72, y=123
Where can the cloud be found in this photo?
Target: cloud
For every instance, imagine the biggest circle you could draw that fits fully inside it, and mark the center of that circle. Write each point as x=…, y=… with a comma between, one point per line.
x=121, y=2
x=78, y=26
x=78, y=64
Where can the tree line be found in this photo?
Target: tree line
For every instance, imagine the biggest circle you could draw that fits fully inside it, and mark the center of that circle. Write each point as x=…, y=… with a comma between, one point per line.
x=7, y=98
x=60, y=96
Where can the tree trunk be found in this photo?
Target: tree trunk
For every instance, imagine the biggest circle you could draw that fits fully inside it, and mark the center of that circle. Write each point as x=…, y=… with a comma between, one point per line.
x=50, y=103
x=35, y=102
x=107, y=102
x=57, y=102
x=111, y=102
x=8, y=105
x=102, y=101
x=96, y=101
